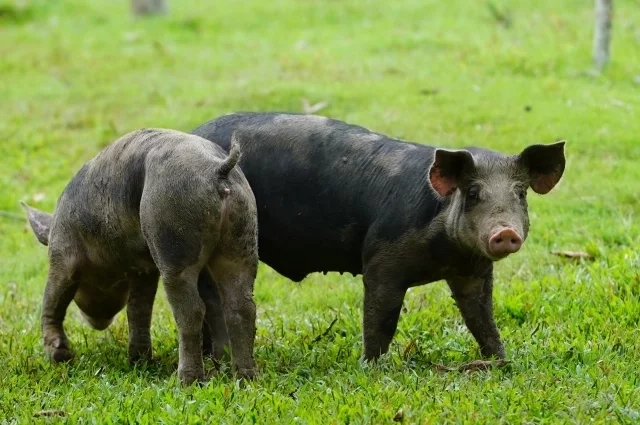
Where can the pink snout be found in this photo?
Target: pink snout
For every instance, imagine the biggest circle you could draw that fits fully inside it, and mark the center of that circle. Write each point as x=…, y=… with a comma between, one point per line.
x=504, y=242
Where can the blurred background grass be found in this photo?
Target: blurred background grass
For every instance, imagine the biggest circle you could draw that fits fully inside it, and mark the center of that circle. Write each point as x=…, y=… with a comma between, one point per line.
x=75, y=75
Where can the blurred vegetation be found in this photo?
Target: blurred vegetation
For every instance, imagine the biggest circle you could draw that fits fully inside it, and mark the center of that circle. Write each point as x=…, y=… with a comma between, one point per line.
x=75, y=75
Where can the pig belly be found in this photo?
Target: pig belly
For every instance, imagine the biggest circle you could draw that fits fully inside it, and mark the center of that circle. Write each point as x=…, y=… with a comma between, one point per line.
x=99, y=306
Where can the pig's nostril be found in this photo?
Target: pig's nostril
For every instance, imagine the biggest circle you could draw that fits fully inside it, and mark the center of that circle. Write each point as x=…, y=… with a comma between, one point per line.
x=499, y=240
x=514, y=241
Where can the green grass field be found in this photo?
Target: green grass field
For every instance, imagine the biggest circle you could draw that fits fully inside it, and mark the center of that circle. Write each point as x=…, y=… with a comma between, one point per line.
x=75, y=75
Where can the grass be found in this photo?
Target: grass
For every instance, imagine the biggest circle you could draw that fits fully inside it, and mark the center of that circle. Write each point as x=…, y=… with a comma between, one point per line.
x=75, y=75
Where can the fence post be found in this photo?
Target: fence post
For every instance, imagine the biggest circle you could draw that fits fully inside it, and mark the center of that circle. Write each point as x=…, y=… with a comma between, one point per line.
x=149, y=7
x=602, y=33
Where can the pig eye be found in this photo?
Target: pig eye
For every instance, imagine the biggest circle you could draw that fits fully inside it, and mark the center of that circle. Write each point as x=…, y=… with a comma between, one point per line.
x=473, y=194
x=522, y=194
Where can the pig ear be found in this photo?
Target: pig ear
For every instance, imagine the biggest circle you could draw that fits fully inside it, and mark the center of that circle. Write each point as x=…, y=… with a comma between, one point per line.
x=545, y=165
x=448, y=169
x=40, y=223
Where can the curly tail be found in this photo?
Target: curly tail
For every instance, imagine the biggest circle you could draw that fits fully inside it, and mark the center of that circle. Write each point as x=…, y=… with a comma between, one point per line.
x=232, y=159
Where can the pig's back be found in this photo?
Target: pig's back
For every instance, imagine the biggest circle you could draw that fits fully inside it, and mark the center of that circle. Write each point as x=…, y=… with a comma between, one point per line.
x=101, y=204
x=322, y=185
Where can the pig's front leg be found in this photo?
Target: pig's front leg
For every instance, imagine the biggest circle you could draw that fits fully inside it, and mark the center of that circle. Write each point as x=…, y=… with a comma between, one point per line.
x=139, y=309
x=58, y=294
x=474, y=297
x=383, y=297
x=215, y=338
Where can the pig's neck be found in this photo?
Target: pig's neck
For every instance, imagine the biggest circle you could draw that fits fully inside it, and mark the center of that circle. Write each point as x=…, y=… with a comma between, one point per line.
x=449, y=249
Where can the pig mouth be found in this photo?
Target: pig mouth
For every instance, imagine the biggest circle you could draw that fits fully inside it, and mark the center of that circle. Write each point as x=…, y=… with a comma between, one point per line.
x=495, y=258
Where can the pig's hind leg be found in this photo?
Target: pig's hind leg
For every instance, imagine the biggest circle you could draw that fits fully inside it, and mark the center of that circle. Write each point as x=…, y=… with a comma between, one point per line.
x=169, y=220
x=235, y=278
x=233, y=267
x=179, y=273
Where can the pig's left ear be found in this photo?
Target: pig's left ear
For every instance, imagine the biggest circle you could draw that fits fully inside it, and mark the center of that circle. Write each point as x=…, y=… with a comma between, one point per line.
x=448, y=170
x=545, y=165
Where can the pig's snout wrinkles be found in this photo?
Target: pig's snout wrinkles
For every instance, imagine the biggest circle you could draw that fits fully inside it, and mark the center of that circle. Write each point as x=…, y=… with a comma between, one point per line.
x=504, y=242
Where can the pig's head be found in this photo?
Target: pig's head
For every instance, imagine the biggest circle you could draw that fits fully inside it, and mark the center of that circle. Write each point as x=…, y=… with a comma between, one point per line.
x=486, y=194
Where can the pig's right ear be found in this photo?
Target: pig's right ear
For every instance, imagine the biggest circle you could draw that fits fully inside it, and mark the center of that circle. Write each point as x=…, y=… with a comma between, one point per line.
x=448, y=169
x=545, y=165
x=40, y=223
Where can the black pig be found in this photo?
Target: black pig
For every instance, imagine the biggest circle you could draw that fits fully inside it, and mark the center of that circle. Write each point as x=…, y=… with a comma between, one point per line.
x=337, y=197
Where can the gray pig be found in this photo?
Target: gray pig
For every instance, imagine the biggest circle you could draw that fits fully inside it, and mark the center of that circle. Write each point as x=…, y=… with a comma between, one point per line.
x=154, y=203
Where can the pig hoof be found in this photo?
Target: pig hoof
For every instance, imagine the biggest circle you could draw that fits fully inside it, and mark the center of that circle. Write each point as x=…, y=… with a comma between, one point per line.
x=139, y=357
x=208, y=352
x=188, y=377
x=248, y=374
x=60, y=355
x=141, y=353
x=220, y=355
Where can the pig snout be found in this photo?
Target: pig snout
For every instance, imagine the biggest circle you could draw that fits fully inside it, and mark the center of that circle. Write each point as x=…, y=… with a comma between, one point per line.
x=504, y=242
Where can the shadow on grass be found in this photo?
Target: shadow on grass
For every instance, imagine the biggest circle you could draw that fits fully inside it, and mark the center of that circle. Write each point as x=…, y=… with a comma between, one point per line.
x=108, y=359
